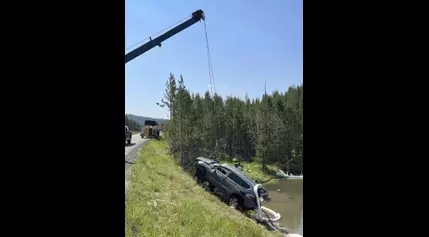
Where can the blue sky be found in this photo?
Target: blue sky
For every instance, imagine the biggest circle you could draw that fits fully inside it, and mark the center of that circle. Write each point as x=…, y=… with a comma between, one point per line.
x=251, y=41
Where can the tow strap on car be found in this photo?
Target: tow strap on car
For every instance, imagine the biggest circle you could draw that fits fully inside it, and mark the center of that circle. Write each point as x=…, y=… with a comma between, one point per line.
x=270, y=223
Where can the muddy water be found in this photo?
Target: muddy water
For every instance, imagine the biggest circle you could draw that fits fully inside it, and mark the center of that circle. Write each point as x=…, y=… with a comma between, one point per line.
x=286, y=198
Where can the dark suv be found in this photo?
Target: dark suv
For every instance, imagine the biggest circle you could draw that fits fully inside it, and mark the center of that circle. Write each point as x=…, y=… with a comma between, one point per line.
x=228, y=182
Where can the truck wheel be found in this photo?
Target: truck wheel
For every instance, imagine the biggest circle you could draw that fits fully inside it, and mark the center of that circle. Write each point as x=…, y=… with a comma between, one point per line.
x=129, y=142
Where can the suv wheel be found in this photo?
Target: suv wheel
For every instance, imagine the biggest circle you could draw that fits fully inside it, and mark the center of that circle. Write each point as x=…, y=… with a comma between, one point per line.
x=206, y=186
x=196, y=179
x=233, y=202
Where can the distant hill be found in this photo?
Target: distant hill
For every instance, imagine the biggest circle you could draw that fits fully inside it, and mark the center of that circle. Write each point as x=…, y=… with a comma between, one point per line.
x=141, y=119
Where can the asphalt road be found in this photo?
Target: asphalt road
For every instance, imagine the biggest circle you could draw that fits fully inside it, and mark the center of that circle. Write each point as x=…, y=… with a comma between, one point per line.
x=131, y=152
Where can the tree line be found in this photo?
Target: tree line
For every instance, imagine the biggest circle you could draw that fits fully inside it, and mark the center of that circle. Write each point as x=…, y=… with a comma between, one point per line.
x=268, y=130
x=133, y=125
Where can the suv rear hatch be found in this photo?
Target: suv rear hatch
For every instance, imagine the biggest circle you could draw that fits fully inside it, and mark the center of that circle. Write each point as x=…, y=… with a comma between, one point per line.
x=263, y=194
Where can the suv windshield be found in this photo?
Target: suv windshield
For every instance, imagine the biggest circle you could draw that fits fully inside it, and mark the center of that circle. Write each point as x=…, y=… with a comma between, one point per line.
x=241, y=175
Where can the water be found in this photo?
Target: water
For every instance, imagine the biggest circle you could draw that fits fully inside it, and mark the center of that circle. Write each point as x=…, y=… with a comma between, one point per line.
x=288, y=202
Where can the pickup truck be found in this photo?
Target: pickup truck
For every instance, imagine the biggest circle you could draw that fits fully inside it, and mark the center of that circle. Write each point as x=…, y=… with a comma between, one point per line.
x=128, y=135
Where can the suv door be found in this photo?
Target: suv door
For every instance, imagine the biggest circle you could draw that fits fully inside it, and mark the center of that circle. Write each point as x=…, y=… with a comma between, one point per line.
x=219, y=181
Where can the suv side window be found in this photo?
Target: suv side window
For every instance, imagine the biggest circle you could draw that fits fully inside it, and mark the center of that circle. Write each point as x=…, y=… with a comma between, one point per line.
x=222, y=170
x=238, y=180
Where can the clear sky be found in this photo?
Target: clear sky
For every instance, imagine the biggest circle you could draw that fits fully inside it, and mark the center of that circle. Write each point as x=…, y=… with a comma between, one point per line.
x=251, y=41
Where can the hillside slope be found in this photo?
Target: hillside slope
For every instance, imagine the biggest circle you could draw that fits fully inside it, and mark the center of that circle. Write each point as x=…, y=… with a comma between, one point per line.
x=163, y=200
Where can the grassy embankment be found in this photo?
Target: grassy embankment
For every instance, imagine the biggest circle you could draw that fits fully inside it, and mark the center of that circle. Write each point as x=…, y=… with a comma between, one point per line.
x=163, y=200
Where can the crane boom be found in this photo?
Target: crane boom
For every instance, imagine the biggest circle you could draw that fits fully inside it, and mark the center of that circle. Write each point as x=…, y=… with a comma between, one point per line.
x=196, y=17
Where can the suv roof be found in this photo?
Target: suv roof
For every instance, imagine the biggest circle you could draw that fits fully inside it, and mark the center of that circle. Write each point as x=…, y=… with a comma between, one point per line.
x=206, y=160
x=238, y=172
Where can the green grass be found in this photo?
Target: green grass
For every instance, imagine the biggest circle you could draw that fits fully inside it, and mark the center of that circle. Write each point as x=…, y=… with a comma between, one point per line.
x=136, y=132
x=163, y=200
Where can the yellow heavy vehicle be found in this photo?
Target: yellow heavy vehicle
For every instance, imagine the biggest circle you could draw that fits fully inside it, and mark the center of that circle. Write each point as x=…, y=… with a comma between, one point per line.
x=151, y=129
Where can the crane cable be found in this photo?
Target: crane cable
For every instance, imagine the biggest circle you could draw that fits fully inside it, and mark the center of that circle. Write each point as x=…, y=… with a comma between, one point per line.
x=212, y=85
x=211, y=74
